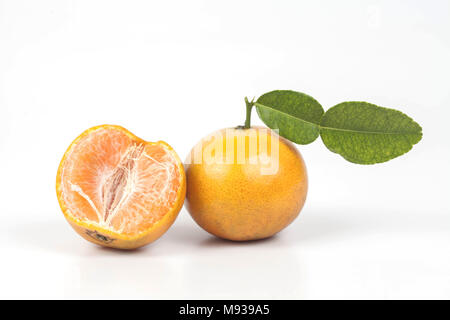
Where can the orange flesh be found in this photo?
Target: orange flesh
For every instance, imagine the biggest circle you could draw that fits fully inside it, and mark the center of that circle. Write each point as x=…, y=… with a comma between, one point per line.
x=121, y=184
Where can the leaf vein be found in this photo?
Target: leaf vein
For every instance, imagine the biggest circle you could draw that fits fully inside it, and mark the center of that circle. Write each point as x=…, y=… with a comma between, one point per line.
x=287, y=114
x=370, y=132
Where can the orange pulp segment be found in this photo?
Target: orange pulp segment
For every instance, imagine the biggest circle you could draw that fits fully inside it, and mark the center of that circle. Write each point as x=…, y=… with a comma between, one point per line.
x=118, y=187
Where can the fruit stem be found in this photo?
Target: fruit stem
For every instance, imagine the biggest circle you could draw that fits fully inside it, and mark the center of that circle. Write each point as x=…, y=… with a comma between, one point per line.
x=249, y=105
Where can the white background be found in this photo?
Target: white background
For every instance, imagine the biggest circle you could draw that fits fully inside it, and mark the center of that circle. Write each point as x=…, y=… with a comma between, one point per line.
x=178, y=70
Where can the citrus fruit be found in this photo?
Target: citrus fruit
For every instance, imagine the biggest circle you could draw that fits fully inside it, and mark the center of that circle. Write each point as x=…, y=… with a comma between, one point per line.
x=118, y=190
x=245, y=184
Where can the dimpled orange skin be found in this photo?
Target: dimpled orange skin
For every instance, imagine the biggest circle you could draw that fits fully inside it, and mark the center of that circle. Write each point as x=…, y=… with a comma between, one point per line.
x=237, y=202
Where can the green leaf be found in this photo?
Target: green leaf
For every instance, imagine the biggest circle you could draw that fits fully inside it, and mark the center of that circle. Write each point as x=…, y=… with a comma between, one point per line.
x=366, y=134
x=295, y=114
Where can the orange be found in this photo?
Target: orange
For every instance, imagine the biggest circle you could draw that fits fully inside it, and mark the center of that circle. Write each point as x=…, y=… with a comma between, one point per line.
x=117, y=190
x=245, y=184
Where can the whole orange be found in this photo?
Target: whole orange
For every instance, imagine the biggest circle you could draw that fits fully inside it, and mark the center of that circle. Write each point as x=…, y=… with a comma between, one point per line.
x=245, y=184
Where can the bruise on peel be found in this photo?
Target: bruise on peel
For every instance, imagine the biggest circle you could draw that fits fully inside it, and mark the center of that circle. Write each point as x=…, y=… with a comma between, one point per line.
x=98, y=236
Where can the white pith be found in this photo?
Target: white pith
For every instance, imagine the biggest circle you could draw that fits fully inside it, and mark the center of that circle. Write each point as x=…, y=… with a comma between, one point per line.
x=136, y=184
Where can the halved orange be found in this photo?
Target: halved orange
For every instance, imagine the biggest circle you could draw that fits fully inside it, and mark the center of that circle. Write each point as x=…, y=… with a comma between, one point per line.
x=118, y=190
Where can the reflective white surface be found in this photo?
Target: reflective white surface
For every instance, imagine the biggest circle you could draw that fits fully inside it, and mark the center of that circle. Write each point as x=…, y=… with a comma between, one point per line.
x=325, y=254
x=177, y=71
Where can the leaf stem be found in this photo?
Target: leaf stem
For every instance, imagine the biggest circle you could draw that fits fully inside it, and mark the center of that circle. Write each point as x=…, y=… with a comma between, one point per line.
x=248, y=105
